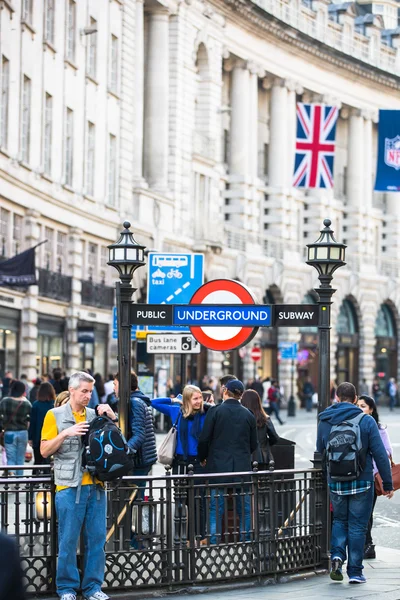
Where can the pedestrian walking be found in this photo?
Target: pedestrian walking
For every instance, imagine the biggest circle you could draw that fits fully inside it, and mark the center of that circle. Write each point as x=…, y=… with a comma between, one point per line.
x=34, y=391
x=274, y=397
x=308, y=391
x=45, y=401
x=266, y=433
x=11, y=575
x=349, y=440
x=226, y=445
x=392, y=392
x=363, y=387
x=376, y=391
x=15, y=413
x=80, y=501
x=368, y=406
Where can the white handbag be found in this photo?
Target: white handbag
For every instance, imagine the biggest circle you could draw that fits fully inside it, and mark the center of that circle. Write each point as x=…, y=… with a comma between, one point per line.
x=167, y=449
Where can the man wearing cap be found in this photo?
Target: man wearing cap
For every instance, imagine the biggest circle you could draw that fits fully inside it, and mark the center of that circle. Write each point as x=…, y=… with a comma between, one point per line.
x=227, y=441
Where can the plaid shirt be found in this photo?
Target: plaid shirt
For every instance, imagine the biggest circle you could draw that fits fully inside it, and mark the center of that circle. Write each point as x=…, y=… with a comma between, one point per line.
x=349, y=488
x=12, y=419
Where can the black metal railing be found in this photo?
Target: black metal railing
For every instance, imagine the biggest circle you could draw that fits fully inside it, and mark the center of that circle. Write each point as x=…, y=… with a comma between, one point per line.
x=178, y=530
x=55, y=285
x=97, y=294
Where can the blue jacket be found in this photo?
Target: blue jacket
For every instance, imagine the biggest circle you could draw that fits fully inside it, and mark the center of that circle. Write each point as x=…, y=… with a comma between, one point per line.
x=370, y=439
x=143, y=439
x=38, y=413
x=173, y=410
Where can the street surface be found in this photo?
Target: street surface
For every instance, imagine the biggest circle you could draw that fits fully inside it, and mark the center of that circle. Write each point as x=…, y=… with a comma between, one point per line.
x=302, y=429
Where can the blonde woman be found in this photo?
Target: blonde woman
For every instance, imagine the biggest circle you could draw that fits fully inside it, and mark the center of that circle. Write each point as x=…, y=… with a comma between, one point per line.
x=61, y=399
x=188, y=412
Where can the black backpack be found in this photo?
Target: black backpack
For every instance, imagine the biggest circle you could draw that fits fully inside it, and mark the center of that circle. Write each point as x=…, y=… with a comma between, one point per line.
x=344, y=455
x=106, y=454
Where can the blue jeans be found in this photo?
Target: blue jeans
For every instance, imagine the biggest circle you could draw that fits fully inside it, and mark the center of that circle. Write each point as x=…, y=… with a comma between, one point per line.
x=90, y=515
x=15, y=444
x=392, y=402
x=274, y=408
x=350, y=523
x=216, y=520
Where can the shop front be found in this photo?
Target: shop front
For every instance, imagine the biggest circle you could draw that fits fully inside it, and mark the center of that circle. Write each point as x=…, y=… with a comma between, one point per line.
x=9, y=340
x=307, y=358
x=386, y=344
x=93, y=343
x=347, y=356
x=51, y=344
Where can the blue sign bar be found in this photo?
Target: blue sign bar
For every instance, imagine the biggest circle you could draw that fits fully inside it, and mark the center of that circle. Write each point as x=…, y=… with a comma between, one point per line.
x=231, y=315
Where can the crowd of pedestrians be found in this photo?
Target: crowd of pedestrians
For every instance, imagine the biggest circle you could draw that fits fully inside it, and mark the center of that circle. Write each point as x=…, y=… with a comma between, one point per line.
x=224, y=438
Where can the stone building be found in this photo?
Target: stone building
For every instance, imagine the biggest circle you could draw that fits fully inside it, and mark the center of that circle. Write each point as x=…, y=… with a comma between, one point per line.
x=180, y=115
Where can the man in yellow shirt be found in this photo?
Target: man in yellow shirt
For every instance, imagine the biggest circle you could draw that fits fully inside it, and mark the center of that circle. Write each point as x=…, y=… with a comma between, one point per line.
x=80, y=501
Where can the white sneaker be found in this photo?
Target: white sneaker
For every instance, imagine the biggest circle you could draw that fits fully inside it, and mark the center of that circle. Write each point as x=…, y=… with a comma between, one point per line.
x=97, y=596
x=68, y=597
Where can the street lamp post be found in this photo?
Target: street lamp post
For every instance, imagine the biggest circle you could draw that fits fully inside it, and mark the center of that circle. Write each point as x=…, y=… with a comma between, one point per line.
x=125, y=255
x=326, y=255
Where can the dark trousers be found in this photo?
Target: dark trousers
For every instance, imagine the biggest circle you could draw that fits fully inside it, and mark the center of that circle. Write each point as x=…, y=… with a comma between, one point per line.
x=368, y=539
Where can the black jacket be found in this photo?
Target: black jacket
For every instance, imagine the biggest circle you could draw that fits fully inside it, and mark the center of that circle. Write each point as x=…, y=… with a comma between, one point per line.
x=228, y=438
x=143, y=438
x=11, y=586
x=267, y=437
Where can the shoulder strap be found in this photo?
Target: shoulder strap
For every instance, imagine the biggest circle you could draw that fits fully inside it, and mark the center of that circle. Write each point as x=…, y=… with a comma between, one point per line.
x=357, y=420
x=177, y=418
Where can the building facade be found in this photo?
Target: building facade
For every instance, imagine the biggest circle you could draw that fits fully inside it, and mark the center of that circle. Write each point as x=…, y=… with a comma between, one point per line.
x=180, y=116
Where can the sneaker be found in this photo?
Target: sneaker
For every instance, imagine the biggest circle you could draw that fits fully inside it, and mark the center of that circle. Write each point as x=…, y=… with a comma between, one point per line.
x=68, y=597
x=357, y=579
x=336, y=569
x=97, y=596
x=369, y=551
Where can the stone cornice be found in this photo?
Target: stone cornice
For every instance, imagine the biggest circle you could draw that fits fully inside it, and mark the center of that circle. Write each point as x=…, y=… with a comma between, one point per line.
x=256, y=18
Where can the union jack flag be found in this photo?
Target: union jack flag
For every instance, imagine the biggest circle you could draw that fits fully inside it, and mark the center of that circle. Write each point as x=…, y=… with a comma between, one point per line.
x=315, y=146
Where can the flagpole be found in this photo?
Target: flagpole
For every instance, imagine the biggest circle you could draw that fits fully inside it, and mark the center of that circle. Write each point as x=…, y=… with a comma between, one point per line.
x=39, y=244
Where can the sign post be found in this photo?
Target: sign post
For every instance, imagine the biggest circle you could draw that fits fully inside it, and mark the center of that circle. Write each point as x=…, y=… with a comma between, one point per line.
x=288, y=351
x=255, y=355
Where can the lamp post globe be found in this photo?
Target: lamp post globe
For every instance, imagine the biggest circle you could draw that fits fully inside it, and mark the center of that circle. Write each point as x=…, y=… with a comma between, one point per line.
x=326, y=254
x=125, y=255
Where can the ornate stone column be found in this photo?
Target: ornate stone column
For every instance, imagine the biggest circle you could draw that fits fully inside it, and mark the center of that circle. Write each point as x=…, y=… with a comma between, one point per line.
x=278, y=129
x=139, y=94
x=156, y=110
x=240, y=104
x=29, y=314
x=75, y=254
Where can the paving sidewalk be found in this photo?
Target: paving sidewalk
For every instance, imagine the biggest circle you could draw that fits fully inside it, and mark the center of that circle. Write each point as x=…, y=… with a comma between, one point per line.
x=383, y=583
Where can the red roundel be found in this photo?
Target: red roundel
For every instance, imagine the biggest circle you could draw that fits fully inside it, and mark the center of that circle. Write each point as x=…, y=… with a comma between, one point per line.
x=255, y=353
x=223, y=292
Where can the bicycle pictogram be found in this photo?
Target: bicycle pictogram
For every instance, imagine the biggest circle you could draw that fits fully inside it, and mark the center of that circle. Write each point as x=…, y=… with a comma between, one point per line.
x=174, y=273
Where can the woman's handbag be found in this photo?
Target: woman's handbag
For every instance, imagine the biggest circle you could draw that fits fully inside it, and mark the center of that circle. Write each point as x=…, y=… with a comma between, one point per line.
x=395, y=478
x=166, y=452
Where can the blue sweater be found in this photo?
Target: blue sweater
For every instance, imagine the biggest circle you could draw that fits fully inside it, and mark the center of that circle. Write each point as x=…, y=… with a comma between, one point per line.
x=38, y=413
x=165, y=406
x=370, y=439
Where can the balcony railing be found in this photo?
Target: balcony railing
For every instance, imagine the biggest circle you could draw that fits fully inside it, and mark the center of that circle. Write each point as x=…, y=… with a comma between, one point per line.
x=55, y=285
x=97, y=294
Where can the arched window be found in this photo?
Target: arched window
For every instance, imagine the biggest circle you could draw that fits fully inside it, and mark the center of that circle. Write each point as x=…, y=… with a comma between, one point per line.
x=347, y=322
x=385, y=324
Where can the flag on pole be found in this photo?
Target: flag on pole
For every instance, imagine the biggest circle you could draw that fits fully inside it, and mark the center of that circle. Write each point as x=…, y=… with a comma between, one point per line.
x=315, y=146
x=388, y=164
x=19, y=270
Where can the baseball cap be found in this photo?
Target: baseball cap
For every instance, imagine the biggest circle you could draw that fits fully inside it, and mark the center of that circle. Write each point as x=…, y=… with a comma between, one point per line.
x=235, y=386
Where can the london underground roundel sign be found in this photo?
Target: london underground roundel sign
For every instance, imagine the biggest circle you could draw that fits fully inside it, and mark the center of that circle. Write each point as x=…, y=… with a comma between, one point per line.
x=223, y=292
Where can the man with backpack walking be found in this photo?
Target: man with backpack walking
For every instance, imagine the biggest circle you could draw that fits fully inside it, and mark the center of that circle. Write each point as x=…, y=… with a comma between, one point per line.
x=348, y=440
x=80, y=499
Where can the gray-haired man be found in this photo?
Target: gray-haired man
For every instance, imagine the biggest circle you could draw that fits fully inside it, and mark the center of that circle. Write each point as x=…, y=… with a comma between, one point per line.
x=80, y=502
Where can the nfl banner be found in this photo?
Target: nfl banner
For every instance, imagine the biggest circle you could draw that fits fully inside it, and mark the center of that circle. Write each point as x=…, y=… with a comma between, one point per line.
x=19, y=270
x=315, y=146
x=388, y=167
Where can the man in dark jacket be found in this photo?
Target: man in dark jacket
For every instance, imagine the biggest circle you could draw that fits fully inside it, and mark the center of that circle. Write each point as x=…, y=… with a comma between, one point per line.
x=352, y=500
x=227, y=441
x=11, y=585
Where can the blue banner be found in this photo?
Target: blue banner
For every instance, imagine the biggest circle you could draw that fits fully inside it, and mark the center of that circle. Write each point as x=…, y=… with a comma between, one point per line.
x=226, y=316
x=388, y=167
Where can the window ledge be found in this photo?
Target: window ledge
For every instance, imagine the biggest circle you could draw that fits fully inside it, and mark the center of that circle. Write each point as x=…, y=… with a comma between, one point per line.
x=91, y=78
x=68, y=188
x=47, y=177
x=24, y=164
x=70, y=63
x=90, y=198
x=49, y=45
x=28, y=26
x=111, y=207
x=114, y=93
x=5, y=152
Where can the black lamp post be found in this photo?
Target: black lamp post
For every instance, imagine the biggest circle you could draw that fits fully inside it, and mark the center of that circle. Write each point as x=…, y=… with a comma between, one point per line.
x=126, y=255
x=326, y=255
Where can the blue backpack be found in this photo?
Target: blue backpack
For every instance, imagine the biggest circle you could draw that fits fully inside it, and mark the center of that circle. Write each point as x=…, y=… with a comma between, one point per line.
x=344, y=455
x=106, y=453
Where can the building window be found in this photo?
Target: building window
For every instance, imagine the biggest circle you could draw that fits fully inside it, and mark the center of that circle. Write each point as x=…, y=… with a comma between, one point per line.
x=49, y=21
x=48, y=248
x=69, y=150
x=71, y=30
x=48, y=131
x=114, y=63
x=5, y=91
x=61, y=251
x=17, y=234
x=91, y=56
x=27, y=10
x=26, y=119
x=112, y=169
x=90, y=152
x=4, y=231
x=92, y=261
